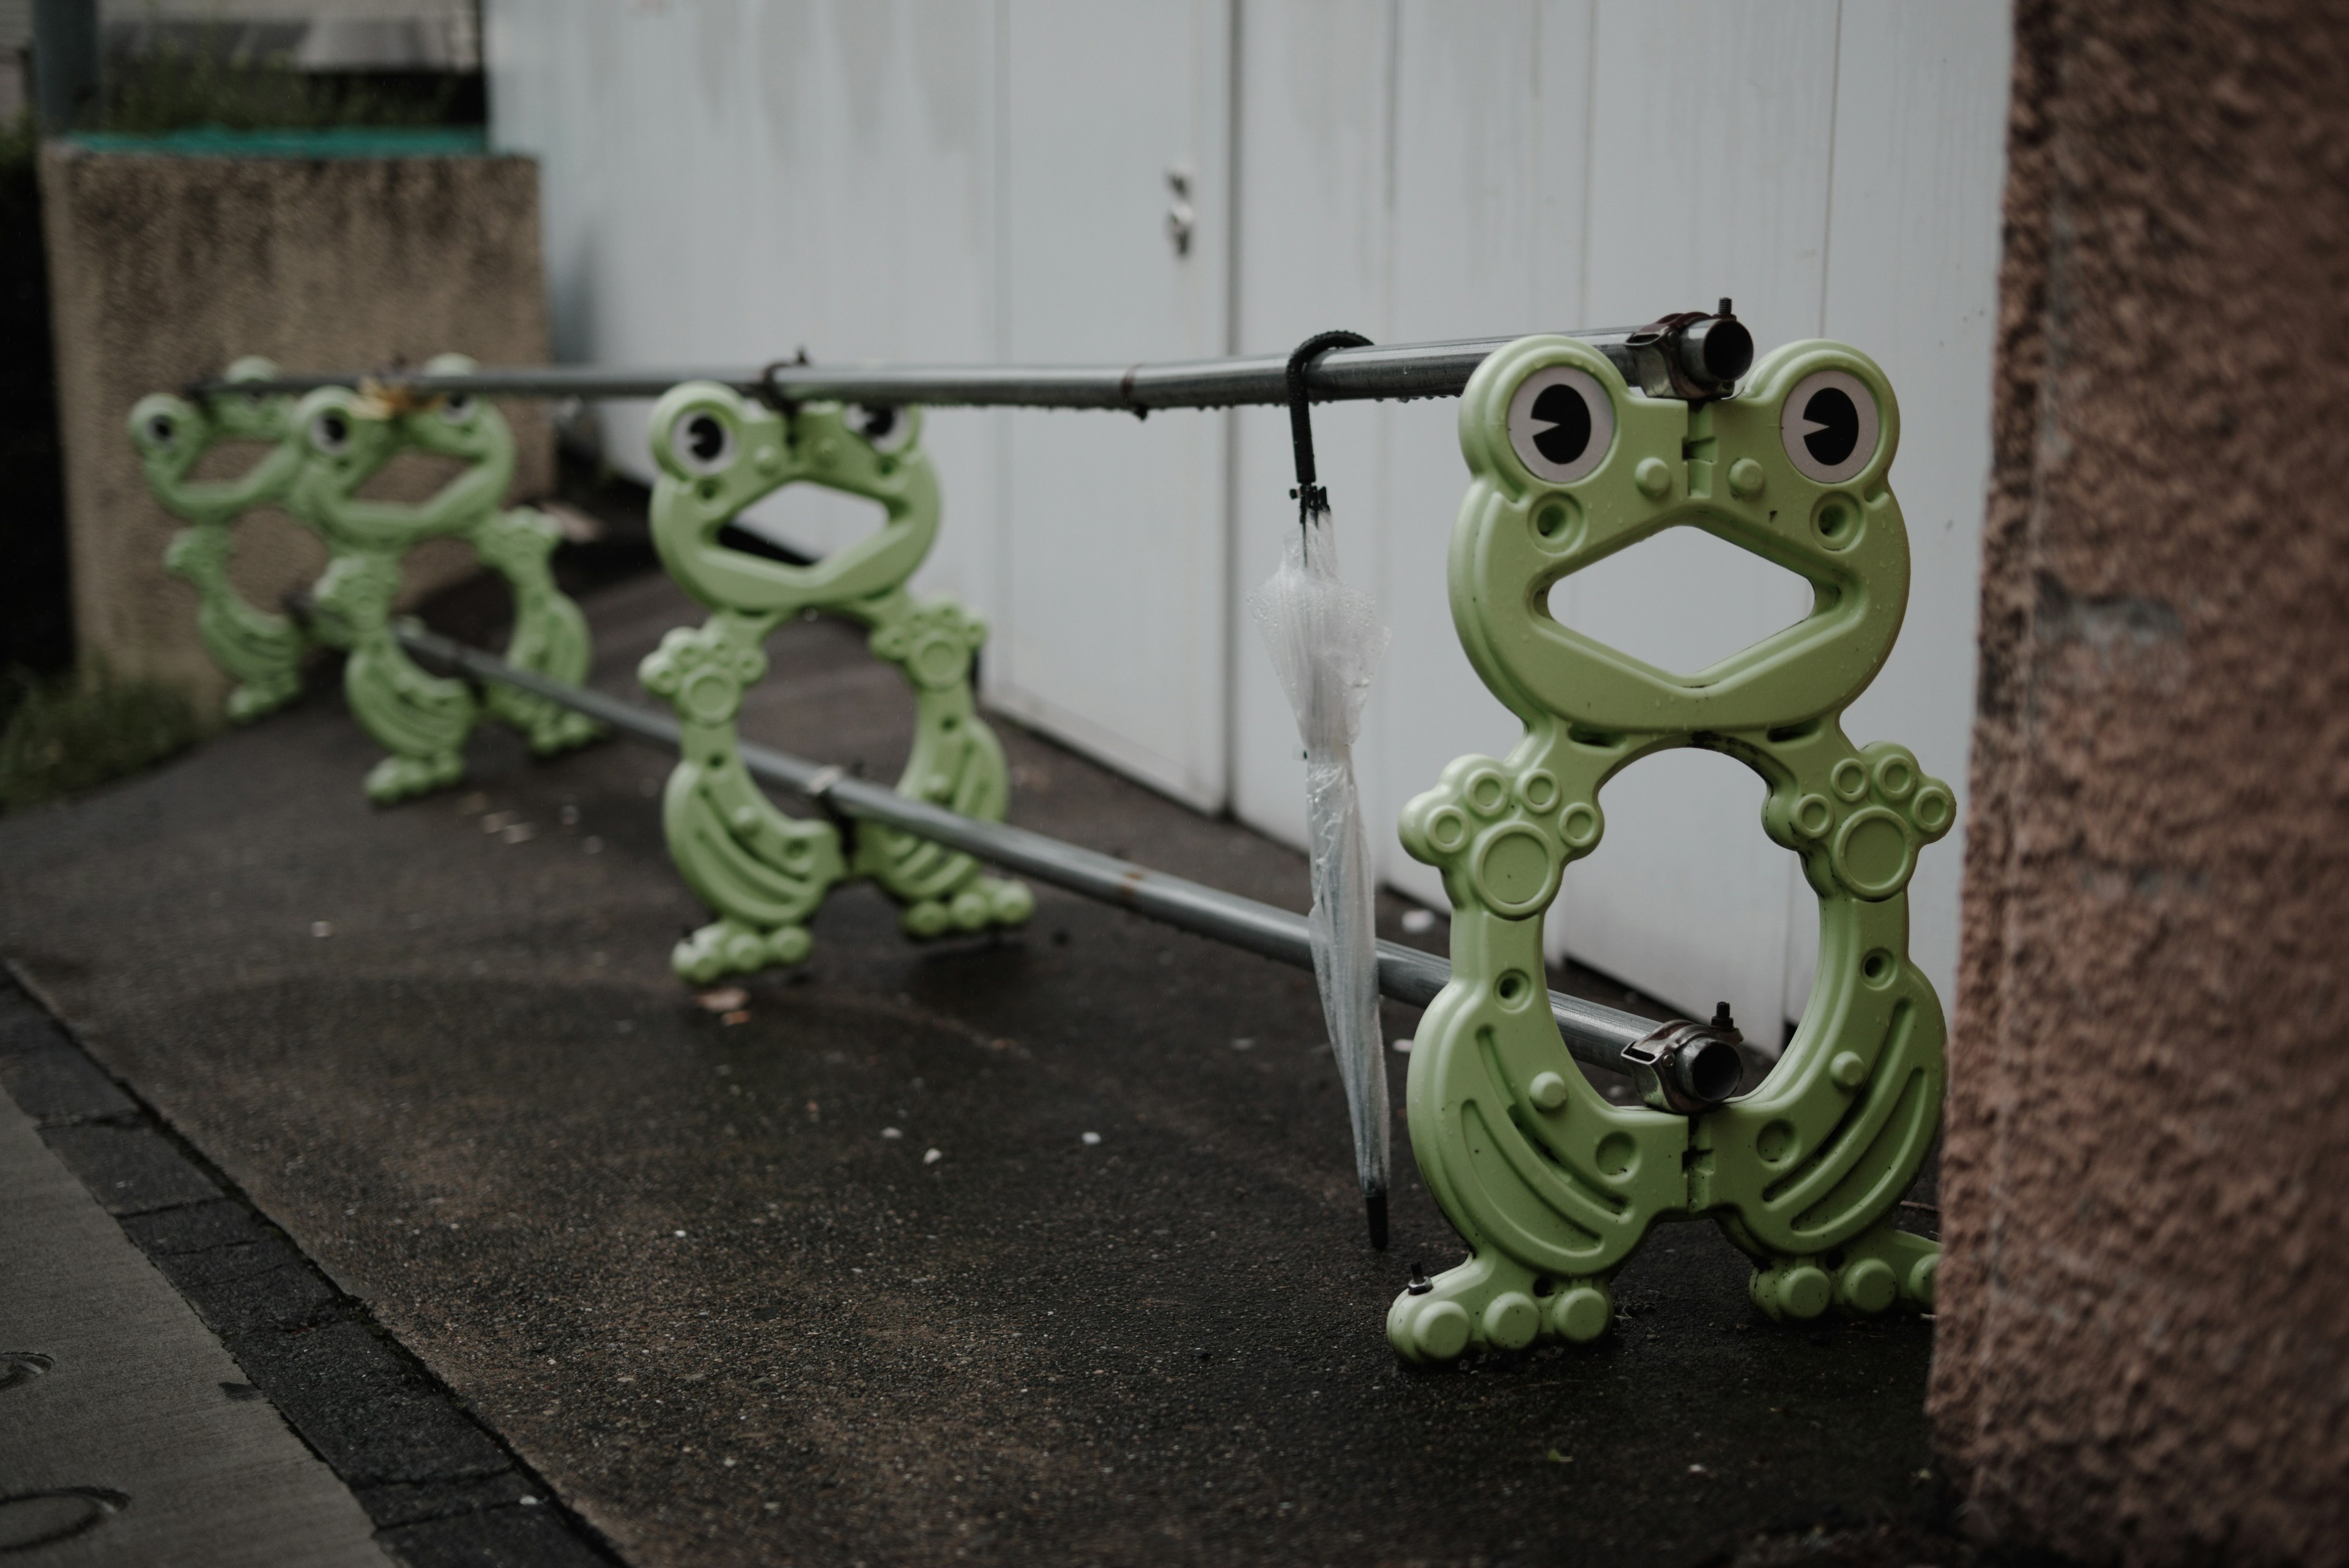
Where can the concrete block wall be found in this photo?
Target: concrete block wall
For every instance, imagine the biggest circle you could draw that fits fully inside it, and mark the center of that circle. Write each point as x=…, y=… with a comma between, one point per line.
x=166, y=269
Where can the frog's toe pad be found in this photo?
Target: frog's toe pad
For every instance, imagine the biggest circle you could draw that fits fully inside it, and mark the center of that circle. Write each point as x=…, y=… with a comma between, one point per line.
x=733, y=947
x=564, y=732
x=1877, y=1275
x=255, y=698
x=402, y=777
x=1470, y=1307
x=1009, y=903
x=988, y=901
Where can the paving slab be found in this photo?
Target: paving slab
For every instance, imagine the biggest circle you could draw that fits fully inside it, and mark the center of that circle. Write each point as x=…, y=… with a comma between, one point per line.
x=128, y=1433
x=707, y=1278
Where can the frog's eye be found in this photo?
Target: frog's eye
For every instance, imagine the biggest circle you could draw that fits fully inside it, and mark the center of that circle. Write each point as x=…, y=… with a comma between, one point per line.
x=330, y=431
x=159, y=430
x=1561, y=424
x=888, y=429
x=701, y=441
x=1830, y=425
x=458, y=408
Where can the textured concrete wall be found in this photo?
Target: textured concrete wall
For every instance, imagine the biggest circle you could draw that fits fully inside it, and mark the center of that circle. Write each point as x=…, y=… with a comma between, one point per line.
x=164, y=270
x=2144, y=1341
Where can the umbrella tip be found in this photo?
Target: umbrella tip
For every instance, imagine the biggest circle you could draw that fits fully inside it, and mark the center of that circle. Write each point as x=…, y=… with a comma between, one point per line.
x=1375, y=1208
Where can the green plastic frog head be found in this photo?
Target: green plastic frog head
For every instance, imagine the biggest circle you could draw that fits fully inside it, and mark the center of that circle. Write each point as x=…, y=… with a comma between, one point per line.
x=172, y=434
x=718, y=452
x=349, y=436
x=1793, y=468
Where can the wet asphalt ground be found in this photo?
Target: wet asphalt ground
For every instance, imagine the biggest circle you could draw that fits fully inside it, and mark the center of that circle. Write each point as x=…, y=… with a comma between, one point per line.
x=837, y=1276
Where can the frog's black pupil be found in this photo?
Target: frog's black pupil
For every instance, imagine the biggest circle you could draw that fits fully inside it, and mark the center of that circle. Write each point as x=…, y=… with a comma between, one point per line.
x=1562, y=408
x=705, y=438
x=459, y=407
x=879, y=423
x=334, y=429
x=1837, y=419
x=158, y=429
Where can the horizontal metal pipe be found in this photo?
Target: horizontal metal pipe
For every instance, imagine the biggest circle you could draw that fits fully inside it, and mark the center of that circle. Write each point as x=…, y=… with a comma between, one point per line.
x=1394, y=371
x=1594, y=1034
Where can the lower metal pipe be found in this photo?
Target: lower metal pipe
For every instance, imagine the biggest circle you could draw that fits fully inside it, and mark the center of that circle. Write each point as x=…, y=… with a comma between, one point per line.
x=1596, y=1035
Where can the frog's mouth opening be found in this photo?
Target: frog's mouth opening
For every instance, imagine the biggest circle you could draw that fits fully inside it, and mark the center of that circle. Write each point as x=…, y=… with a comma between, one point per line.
x=1681, y=600
x=409, y=476
x=801, y=524
x=1621, y=899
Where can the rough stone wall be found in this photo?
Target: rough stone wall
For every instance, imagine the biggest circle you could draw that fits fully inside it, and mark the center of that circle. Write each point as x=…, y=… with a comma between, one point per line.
x=163, y=270
x=2143, y=1351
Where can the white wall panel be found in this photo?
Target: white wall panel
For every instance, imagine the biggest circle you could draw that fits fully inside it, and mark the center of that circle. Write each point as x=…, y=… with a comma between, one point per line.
x=729, y=180
x=978, y=180
x=1717, y=185
x=1113, y=570
x=1493, y=114
x=1913, y=278
x=1413, y=171
x=1314, y=175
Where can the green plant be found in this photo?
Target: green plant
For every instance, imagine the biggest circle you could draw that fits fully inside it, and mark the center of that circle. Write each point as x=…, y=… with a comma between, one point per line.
x=19, y=139
x=177, y=87
x=69, y=734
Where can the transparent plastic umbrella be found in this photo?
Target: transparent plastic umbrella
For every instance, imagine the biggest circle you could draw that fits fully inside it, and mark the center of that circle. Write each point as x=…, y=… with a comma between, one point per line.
x=1325, y=641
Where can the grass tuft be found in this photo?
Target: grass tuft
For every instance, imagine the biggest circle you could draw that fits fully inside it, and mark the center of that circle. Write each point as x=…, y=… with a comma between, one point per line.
x=73, y=733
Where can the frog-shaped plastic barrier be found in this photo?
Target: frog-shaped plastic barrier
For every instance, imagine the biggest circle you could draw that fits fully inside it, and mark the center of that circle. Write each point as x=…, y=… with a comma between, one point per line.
x=260, y=650
x=765, y=873
x=422, y=718
x=1552, y=1186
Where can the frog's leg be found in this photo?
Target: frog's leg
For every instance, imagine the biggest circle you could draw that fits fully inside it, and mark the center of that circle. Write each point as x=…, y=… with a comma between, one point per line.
x=260, y=651
x=422, y=718
x=956, y=763
x=764, y=873
x=1805, y=1173
x=1550, y=1185
x=550, y=634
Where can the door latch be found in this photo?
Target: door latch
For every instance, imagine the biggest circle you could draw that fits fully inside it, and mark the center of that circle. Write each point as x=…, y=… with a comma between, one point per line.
x=1182, y=218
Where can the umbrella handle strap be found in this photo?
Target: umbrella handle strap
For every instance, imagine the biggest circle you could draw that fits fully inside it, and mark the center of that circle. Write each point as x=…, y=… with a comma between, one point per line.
x=1310, y=497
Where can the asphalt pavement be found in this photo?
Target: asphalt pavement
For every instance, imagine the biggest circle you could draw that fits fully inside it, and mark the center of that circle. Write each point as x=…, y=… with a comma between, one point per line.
x=1044, y=1248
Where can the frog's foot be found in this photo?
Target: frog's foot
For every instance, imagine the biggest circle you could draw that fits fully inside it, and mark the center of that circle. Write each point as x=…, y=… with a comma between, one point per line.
x=1878, y=808
x=547, y=726
x=1491, y=1303
x=562, y=730
x=398, y=778
x=986, y=902
x=933, y=644
x=253, y=698
x=728, y=945
x=1863, y=1279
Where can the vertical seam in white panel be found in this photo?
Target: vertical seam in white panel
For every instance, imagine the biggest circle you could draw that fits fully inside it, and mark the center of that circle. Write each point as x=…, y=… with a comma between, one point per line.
x=1827, y=231
x=1234, y=606
x=1796, y=883
x=1394, y=96
x=996, y=673
x=1378, y=518
x=1589, y=150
